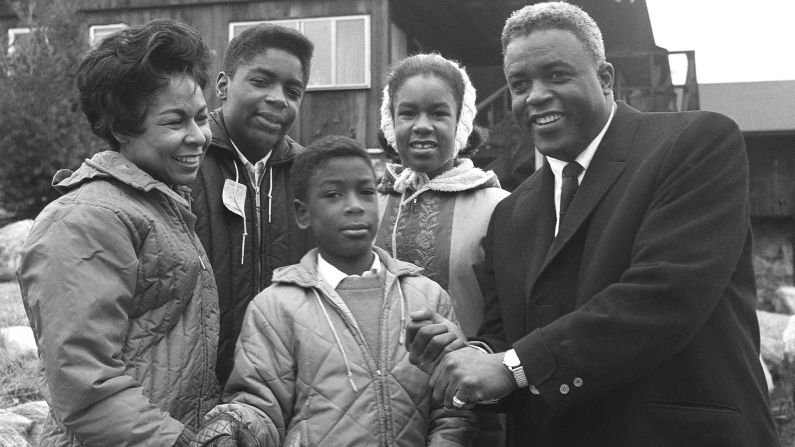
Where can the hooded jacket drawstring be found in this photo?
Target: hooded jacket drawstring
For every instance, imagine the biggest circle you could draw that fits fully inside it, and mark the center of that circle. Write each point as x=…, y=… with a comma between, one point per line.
x=269, y=171
x=401, y=338
x=403, y=305
x=394, y=227
x=245, y=231
x=337, y=340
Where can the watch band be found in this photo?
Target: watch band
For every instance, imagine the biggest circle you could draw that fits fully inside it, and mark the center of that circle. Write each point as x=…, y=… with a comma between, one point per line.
x=511, y=361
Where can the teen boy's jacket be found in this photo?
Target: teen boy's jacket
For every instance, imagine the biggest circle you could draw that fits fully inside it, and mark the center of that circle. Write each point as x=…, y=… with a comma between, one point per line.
x=243, y=265
x=303, y=375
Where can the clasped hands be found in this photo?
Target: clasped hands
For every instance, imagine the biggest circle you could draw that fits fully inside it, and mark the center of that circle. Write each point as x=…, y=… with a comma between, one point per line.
x=461, y=376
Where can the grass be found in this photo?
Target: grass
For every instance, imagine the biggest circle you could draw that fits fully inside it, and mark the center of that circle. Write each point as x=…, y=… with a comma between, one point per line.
x=12, y=313
x=18, y=378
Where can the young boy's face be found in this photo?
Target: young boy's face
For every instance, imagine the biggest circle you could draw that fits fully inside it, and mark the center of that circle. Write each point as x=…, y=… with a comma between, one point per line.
x=262, y=99
x=341, y=211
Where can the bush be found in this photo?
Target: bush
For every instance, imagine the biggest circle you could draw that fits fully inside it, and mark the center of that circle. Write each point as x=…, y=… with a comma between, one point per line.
x=42, y=128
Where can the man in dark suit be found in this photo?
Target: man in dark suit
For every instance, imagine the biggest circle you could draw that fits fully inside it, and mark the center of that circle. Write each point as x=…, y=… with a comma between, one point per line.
x=618, y=279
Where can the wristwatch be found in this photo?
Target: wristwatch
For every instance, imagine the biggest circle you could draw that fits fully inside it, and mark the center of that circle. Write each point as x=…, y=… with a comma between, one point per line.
x=511, y=361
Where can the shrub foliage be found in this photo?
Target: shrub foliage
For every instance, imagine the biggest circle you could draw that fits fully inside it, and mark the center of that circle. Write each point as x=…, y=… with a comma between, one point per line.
x=42, y=128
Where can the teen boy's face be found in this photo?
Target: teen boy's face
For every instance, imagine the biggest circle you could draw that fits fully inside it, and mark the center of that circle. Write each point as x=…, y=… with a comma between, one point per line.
x=341, y=211
x=262, y=99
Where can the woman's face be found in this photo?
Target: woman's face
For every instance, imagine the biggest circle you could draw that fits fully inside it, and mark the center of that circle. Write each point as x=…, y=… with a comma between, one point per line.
x=426, y=116
x=176, y=134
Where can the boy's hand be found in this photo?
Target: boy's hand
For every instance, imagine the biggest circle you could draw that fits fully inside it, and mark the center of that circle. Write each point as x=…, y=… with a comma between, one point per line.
x=429, y=336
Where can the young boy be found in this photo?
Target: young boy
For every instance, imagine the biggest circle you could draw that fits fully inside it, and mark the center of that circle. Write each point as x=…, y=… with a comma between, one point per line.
x=321, y=358
x=242, y=196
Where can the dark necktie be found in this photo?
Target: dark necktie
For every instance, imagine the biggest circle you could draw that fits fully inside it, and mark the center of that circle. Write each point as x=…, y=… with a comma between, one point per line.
x=569, y=187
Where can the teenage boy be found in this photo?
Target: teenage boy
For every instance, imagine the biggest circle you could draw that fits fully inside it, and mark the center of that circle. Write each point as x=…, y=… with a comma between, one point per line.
x=321, y=357
x=242, y=195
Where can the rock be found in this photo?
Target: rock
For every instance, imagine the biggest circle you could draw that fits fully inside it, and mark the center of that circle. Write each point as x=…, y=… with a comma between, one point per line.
x=17, y=342
x=15, y=429
x=12, y=236
x=36, y=411
x=784, y=301
x=21, y=425
x=788, y=337
x=771, y=331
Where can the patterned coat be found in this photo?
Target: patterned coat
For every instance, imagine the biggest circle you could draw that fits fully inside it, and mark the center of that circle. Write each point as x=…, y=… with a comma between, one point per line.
x=439, y=228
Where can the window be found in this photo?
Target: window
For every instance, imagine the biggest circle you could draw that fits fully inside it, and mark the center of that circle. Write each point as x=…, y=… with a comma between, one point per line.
x=17, y=37
x=98, y=32
x=342, y=49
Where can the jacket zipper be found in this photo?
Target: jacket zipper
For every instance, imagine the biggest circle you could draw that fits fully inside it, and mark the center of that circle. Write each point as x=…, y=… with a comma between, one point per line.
x=375, y=372
x=383, y=359
x=202, y=327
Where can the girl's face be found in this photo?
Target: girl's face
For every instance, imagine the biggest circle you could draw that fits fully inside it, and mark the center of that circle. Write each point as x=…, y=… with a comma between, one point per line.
x=426, y=116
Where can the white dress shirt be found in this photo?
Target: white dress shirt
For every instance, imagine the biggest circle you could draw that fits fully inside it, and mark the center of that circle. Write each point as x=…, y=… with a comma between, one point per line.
x=584, y=159
x=333, y=276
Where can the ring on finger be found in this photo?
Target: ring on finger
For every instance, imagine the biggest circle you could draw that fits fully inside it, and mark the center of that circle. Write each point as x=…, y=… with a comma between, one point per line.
x=458, y=403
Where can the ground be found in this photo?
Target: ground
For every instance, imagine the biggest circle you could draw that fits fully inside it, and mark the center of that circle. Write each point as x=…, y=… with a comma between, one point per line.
x=17, y=379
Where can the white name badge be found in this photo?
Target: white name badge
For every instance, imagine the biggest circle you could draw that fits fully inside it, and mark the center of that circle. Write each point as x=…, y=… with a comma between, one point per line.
x=234, y=197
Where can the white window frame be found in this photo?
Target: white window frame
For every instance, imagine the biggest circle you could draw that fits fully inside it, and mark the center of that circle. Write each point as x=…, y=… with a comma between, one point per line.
x=300, y=23
x=12, y=36
x=93, y=29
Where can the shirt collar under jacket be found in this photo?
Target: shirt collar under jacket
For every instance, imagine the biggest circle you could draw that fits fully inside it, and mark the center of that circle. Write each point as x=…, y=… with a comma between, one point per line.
x=333, y=276
x=254, y=170
x=584, y=159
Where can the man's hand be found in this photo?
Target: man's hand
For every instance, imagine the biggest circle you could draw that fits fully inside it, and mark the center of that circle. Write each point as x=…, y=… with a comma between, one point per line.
x=429, y=336
x=471, y=376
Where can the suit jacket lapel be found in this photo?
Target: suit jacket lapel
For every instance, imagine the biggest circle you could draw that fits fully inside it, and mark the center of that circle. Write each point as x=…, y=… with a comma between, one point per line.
x=605, y=168
x=534, y=221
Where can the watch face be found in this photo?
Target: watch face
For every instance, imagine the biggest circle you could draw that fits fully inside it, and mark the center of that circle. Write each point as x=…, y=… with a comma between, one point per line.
x=511, y=360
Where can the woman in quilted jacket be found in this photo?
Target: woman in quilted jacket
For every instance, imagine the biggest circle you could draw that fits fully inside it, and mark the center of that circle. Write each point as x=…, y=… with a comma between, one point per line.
x=115, y=283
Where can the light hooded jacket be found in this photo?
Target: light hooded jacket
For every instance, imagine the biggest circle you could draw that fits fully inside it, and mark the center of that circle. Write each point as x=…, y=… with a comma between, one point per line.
x=124, y=307
x=244, y=251
x=304, y=376
x=439, y=228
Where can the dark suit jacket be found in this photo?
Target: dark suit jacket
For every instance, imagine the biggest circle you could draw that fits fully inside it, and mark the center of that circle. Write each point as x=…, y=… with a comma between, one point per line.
x=637, y=322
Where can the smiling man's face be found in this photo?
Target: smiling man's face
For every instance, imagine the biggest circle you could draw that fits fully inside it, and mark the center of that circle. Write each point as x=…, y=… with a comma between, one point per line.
x=560, y=97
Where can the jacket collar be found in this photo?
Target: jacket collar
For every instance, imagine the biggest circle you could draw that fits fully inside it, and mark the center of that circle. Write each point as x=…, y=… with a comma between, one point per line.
x=113, y=165
x=464, y=176
x=304, y=274
x=284, y=151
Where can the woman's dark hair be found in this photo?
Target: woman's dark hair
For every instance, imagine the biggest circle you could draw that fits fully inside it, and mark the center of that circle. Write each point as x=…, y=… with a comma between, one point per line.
x=318, y=152
x=255, y=40
x=118, y=78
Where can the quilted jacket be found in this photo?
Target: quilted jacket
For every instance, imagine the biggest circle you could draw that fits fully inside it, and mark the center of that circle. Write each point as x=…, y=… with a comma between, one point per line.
x=303, y=375
x=124, y=307
x=243, y=264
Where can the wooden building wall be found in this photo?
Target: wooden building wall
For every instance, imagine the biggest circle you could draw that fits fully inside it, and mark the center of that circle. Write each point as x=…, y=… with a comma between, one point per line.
x=347, y=112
